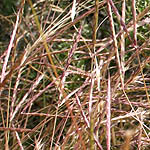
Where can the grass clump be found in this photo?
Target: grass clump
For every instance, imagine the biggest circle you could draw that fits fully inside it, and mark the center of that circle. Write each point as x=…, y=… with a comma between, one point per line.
x=75, y=75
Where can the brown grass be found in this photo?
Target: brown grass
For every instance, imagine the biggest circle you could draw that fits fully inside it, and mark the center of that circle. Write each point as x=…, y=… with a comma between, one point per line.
x=68, y=83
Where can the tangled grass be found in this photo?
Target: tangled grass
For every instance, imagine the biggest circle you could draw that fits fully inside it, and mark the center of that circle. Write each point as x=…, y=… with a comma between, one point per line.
x=75, y=75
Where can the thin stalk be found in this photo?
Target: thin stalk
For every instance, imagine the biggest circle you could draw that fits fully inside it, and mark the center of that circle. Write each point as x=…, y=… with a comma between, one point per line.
x=108, y=114
x=44, y=39
x=122, y=42
x=115, y=43
x=91, y=117
x=122, y=47
x=134, y=22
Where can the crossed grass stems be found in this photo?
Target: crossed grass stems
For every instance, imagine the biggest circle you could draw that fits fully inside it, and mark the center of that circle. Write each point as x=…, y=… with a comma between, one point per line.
x=50, y=100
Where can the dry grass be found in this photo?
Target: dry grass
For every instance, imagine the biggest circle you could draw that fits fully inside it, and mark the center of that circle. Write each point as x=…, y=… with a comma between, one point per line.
x=68, y=83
